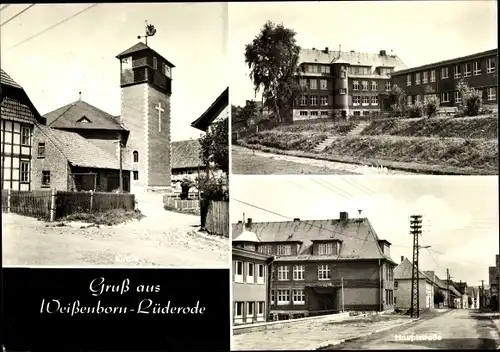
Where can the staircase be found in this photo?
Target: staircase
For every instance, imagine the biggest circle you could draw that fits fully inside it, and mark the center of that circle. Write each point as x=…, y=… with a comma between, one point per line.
x=358, y=129
x=326, y=143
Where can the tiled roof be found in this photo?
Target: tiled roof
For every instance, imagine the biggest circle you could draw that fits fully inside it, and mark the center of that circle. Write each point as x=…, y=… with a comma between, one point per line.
x=358, y=238
x=431, y=275
x=7, y=80
x=186, y=154
x=354, y=58
x=73, y=116
x=78, y=150
x=16, y=105
x=209, y=116
x=140, y=47
x=404, y=271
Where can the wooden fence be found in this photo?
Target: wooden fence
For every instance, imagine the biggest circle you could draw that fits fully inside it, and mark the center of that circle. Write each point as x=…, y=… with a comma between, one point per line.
x=217, y=218
x=181, y=204
x=52, y=205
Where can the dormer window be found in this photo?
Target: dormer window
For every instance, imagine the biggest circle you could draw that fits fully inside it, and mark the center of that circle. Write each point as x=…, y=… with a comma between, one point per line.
x=284, y=249
x=325, y=249
x=266, y=249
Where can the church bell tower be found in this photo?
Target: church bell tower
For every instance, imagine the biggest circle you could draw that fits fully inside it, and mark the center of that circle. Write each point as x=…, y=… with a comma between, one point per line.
x=146, y=87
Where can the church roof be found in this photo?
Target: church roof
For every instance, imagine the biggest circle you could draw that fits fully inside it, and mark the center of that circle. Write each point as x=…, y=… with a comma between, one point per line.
x=351, y=57
x=185, y=154
x=208, y=117
x=82, y=115
x=80, y=151
x=359, y=239
x=138, y=48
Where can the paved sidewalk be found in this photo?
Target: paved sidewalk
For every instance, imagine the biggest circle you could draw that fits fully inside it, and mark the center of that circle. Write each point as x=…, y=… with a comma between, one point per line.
x=312, y=334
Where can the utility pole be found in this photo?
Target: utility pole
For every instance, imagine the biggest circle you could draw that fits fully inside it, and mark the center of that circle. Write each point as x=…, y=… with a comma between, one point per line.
x=342, y=285
x=415, y=230
x=120, y=157
x=482, y=294
x=448, y=277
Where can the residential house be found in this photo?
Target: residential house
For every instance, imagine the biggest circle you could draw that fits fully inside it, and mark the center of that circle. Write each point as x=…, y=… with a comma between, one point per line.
x=186, y=161
x=325, y=266
x=344, y=83
x=439, y=288
x=455, y=294
x=441, y=79
x=473, y=293
x=251, y=284
x=493, y=278
x=18, y=116
x=403, y=287
x=67, y=161
x=462, y=287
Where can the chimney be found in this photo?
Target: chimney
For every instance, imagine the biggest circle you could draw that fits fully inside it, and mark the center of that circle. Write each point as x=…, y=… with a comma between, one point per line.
x=383, y=53
x=296, y=219
x=249, y=222
x=239, y=221
x=352, y=51
x=344, y=216
x=79, y=96
x=314, y=49
x=402, y=258
x=326, y=50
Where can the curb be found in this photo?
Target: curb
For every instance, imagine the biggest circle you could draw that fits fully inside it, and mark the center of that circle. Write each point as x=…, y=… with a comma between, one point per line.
x=353, y=338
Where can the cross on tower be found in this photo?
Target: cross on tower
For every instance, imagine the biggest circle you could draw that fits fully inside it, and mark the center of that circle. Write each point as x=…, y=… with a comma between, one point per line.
x=160, y=110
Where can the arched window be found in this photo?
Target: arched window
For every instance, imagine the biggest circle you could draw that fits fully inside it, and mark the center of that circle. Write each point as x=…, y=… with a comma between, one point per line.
x=135, y=156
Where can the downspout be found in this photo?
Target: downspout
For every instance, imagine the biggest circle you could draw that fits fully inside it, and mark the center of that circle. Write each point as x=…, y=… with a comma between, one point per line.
x=269, y=286
x=380, y=285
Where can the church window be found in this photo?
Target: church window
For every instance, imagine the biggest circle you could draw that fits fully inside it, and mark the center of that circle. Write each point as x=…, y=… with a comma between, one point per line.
x=136, y=175
x=155, y=63
x=135, y=156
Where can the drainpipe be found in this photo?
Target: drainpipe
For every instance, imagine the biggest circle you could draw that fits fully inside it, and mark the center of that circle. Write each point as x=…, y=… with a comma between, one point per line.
x=269, y=286
x=380, y=285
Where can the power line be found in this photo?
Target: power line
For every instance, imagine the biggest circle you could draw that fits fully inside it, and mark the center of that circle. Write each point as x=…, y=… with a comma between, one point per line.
x=16, y=15
x=4, y=7
x=306, y=222
x=53, y=26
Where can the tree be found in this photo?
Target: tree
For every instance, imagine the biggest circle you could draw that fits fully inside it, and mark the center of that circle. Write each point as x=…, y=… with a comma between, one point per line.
x=214, y=145
x=397, y=98
x=214, y=185
x=471, y=99
x=273, y=60
x=431, y=102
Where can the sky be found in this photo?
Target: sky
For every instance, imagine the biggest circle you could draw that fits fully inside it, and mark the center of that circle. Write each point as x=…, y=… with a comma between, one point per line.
x=80, y=54
x=459, y=214
x=419, y=32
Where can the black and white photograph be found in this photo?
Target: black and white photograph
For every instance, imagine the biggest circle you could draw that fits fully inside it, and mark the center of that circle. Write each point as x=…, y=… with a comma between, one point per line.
x=114, y=125
x=353, y=87
x=336, y=262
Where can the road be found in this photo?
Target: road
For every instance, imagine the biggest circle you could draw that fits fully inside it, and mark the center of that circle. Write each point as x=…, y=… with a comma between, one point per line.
x=253, y=162
x=458, y=329
x=163, y=238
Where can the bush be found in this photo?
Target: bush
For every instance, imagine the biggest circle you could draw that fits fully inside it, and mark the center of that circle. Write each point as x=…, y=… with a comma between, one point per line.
x=471, y=100
x=415, y=110
x=431, y=106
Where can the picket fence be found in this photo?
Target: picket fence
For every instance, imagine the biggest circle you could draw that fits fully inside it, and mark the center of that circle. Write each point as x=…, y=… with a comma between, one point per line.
x=217, y=218
x=181, y=204
x=52, y=204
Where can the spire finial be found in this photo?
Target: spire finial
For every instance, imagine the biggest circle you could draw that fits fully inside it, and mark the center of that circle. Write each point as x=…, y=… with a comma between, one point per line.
x=150, y=31
x=79, y=96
